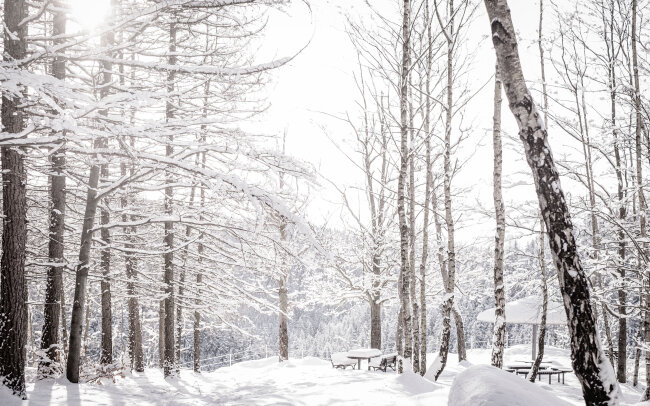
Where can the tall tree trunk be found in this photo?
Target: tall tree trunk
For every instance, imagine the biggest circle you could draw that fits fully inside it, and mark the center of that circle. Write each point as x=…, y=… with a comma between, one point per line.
x=81, y=270
x=499, y=336
x=404, y=276
x=427, y=194
x=50, y=365
x=415, y=320
x=161, y=331
x=532, y=374
x=621, y=372
x=168, y=241
x=135, y=328
x=106, y=356
x=590, y=365
x=283, y=322
x=13, y=289
x=640, y=192
x=448, y=306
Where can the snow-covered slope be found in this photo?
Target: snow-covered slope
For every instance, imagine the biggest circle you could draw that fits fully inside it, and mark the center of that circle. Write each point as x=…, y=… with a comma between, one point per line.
x=312, y=381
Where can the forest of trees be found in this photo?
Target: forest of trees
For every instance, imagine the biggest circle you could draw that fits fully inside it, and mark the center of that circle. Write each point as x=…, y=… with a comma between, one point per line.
x=145, y=225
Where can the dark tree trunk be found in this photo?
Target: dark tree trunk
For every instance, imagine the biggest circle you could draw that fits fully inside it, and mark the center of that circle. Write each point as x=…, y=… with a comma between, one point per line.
x=168, y=242
x=50, y=366
x=106, y=356
x=13, y=290
x=135, y=327
x=81, y=270
x=590, y=365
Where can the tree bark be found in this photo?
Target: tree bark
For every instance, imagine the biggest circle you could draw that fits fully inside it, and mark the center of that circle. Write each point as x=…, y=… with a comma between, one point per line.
x=81, y=270
x=427, y=194
x=499, y=335
x=404, y=289
x=168, y=241
x=106, y=356
x=13, y=289
x=590, y=365
x=415, y=320
x=640, y=192
x=621, y=372
x=135, y=328
x=50, y=366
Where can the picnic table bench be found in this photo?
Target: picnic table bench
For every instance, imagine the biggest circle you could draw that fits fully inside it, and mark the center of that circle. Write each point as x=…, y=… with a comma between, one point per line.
x=383, y=363
x=340, y=360
x=549, y=371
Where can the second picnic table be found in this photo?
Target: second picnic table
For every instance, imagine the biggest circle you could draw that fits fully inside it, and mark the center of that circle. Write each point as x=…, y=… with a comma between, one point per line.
x=363, y=353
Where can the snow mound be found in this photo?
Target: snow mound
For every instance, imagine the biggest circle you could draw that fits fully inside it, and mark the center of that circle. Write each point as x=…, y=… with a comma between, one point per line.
x=410, y=382
x=485, y=385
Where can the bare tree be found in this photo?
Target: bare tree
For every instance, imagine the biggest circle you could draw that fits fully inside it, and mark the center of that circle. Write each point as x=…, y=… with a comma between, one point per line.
x=589, y=363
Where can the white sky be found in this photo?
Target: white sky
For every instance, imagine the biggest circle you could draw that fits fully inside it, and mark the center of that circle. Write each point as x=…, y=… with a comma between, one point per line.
x=321, y=80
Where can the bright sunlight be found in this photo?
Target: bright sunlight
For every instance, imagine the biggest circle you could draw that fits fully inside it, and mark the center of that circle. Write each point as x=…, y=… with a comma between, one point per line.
x=90, y=13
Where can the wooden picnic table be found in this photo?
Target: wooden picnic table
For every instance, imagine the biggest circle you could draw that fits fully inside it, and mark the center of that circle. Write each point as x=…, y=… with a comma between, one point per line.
x=363, y=353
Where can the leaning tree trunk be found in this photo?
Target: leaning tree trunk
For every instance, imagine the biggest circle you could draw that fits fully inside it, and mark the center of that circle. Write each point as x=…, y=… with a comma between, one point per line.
x=499, y=335
x=50, y=366
x=404, y=275
x=591, y=367
x=83, y=264
x=13, y=290
x=532, y=374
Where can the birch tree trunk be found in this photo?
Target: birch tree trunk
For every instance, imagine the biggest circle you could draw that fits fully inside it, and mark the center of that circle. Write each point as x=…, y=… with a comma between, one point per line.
x=52, y=311
x=590, y=365
x=427, y=194
x=415, y=320
x=13, y=289
x=499, y=335
x=404, y=276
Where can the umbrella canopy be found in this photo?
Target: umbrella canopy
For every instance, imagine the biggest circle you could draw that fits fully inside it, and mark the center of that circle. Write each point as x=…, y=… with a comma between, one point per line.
x=528, y=311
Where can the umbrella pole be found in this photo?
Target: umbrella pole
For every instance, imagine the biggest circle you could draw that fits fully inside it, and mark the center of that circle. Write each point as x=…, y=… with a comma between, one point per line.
x=534, y=347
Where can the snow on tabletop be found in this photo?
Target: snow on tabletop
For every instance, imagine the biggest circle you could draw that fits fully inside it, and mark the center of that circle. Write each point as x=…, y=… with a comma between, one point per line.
x=341, y=358
x=528, y=310
x=364, y=352
x=485, y=385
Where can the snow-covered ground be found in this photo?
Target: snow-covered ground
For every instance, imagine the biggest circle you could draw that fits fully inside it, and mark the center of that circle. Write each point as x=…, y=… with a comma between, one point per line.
x=308, y=381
